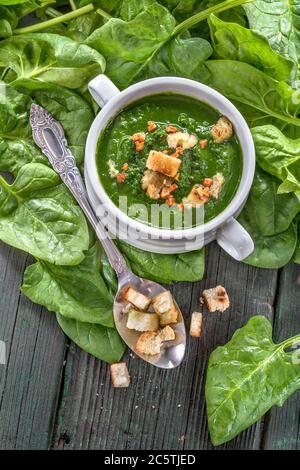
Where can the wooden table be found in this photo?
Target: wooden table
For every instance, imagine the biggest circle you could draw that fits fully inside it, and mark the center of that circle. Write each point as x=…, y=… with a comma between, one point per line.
x=54, y=395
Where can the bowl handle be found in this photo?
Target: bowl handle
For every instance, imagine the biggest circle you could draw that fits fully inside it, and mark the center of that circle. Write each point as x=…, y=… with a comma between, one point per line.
x=102, y=89
x=235, y=240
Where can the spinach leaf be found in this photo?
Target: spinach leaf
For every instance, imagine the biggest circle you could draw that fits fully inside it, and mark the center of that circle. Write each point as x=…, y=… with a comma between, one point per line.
x=234, y=42
x=246, y=377
x=77, y=292
x=38, y=215
x=8, y=21
x=127, y=46
x=16, y=143
x=103, y=343
x=280, y=156
x=279, y=22
x=268, y=216
x=182, y=57
x=83, y=26
x=165, y=268
x=44, y=57
x=130, y=47
x=183, y=9
x=11, y=2
x=271, y=212
x=249, y=86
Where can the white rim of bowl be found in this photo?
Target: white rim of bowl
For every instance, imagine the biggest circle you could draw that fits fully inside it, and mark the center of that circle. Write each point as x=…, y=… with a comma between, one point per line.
x=106, y=115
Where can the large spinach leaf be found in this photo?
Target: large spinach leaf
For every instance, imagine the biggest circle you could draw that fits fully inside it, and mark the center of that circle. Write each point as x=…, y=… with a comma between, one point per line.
x=130, y=47
x=43, y=57
x=234, y=42
x=280, y=156
x=39, y=215
x=127, y=46
x=268, y=216
x=270, y=211
x=16, y=144
x=279, y=22
x=77, y=292
x=246, y=377
x=103, y=343
x=249, y=86
x=182, y=57
x=165, y=268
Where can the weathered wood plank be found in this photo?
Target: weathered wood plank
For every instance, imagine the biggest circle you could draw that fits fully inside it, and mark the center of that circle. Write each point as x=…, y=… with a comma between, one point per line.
x=30, y=381
x=282, y=425
x=163, y=409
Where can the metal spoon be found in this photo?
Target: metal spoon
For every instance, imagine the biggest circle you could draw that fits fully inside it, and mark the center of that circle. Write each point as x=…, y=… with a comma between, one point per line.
x=49, y=136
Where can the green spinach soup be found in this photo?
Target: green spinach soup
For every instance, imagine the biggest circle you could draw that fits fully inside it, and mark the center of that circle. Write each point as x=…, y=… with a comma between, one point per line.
x=173, y=152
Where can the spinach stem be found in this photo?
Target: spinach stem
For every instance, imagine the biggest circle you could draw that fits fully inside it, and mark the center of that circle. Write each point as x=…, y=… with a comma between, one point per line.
x=52, y=12
x=72, y=4
x=290, y=342
x=202, y=15
x=103, y=13
x=60, y=19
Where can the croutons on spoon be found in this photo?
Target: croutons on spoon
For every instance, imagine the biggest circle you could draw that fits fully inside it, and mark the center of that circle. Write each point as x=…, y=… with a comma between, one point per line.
x=150, y=322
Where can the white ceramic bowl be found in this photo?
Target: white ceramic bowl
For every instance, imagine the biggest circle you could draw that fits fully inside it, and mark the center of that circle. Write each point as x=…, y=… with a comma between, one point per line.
x=224, y=228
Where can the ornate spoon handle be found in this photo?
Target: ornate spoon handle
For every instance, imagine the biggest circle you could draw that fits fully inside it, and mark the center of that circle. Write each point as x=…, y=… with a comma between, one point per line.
x=49, y=136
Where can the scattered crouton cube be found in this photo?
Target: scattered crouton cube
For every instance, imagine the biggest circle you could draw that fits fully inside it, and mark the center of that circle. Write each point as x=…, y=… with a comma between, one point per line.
x=141, y=321
x=171, y=316
x=167, y=334
x=163, y=302
x=222, y=130
x=182, y=139
x=148, y=343
x=140, y=301
x=196, y=324
x=198, y=195
x=216, y=186
x=216, y=299
x=119, y=375
x=159, y=161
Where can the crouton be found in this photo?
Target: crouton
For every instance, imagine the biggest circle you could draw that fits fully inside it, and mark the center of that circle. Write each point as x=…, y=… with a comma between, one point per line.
x=182, y=139
x=216, y=299
x=141, y=321
x=171, y=316
x=217, y=185
x=163, y=302
x=148, y=343
x=222, y=130
x=196, y=324
x=198, y=195
x=159, y=161
x=167, y=334
x=119, y=375
x=112, y=170
x=153, y=182
x=140, y=301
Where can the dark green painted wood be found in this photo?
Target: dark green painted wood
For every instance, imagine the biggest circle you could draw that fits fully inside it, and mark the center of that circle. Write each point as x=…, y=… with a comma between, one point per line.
x=282, y=425
x=163, y=409
x=30, y=381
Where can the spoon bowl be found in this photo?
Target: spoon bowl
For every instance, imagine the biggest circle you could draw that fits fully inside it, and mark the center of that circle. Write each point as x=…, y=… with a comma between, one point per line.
x=172, y=352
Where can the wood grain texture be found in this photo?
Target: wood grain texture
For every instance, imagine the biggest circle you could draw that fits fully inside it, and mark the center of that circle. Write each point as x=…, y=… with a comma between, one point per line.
x=282, y=425
x=30, y=381
x=163, y=409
